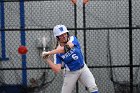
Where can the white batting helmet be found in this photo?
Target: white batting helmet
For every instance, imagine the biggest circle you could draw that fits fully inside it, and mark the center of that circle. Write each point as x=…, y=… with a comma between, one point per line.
x=59, y=30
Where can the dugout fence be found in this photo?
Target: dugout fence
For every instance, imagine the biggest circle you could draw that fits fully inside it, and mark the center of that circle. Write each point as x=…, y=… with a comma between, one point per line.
x=108, y=30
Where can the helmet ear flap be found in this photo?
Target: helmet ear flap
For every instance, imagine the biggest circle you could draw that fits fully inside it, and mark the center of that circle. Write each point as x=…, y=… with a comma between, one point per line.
x=68, y=34
x=57, y=38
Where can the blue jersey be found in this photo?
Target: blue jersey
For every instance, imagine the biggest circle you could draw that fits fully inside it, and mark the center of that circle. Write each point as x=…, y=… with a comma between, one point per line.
x=73, y=59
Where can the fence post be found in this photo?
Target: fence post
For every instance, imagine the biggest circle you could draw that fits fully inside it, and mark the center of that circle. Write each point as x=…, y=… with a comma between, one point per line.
x=23, y=42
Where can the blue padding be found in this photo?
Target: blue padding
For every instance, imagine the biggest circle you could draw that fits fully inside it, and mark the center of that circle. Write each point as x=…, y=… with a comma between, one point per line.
x=95, y=92
x=23, y=42
x=24, y=71
x=10, y=89
x=2, y=25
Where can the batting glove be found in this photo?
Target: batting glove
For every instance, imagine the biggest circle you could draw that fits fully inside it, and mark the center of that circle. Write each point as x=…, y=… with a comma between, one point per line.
x=45, y=54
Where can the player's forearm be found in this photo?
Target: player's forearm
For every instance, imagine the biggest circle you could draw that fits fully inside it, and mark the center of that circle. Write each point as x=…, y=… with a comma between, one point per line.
x=61, y=49
x=53, y=66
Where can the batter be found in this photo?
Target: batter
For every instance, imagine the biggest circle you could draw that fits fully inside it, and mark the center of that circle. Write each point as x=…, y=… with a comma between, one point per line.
x=68, y=54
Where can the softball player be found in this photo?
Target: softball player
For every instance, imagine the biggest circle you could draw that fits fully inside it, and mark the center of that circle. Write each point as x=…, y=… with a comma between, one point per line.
x=69, y=54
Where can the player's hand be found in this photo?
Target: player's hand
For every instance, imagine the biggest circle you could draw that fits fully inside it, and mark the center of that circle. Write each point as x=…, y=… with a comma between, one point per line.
x=45, y=54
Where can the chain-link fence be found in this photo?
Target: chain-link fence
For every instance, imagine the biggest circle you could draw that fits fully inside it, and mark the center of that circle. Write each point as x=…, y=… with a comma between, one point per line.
x=108, y=30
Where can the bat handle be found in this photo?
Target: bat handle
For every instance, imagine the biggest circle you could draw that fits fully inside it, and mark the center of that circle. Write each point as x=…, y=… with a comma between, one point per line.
x=44, y=49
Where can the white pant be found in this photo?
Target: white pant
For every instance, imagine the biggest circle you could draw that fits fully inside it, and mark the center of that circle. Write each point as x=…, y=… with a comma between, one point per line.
x=83, y=75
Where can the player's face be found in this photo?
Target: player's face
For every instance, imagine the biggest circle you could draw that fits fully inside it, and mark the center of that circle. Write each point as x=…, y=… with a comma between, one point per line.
x=63, y=38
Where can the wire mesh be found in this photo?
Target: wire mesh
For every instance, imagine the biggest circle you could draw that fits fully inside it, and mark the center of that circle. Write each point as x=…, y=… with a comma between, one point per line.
x=105, y=38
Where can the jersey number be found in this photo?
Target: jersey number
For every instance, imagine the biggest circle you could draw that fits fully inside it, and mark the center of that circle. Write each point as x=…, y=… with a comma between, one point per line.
x=74, y=56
